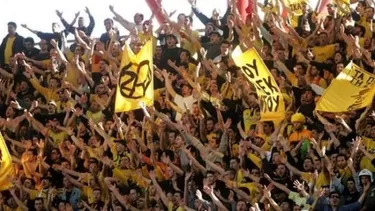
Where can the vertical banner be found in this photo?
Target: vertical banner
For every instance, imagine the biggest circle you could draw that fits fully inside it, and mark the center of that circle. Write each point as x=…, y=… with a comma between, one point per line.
x=269, y=95
x=6, y=168
x=136, y=79
x=358, y=86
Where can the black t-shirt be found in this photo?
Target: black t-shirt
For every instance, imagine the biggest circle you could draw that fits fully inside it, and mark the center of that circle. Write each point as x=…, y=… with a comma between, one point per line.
x=350, y=197
x=172, y=54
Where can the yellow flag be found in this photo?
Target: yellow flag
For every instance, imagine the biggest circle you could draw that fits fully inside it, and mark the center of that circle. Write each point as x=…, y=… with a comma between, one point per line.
x=6, y=168
x=270, y=97
x=136, y=79
x=296, y=6
x=352, y=89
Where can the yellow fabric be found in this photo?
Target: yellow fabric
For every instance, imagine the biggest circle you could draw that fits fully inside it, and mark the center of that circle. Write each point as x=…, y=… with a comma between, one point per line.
x=267, y=145
x=298, y=117
x=296, y=6
x=72, y=75
x=8, y=52
x=356, y=83
x=144, y=37
x=136, y=80
x=189, y=46
x=157, y=94
x=249, y=118
x=95, y=152
x=255, y=159
x=345, y=174
x=96, y=117
x=370, y=147
x=59, y=137
x=33, y=194
x=6, y=167
x=171, y=207
x=88, y=192
x=322, y=53
x=270, y=97
x=239, y=176
x=322, y=179
x=48, y=94
x=292, y=78
x=254, y=191
x=46, y=63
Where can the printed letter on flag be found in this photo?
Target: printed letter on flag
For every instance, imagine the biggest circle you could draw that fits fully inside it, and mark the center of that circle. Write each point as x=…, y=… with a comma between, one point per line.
x=6, y=169
x=270, y=97
x=352, y=89
x=135, y=83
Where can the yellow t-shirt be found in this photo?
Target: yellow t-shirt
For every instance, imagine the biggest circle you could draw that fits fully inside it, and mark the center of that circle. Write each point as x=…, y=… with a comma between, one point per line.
x=249, y=118
x=363, y=22
x=323, y=53
x=59, y=137
x=95, y=152
x=322, y=180
x=255, y=159
x=33, y=194
x=96, y=117
x=88, y=192
x=189, y=46
x=370, y=147
x=254, y=191
x=8, y=52
x=345, y=174
x=171, y=206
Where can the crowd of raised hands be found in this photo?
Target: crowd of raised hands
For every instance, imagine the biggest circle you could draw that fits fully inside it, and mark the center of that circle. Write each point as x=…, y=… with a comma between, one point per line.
x=203, y=144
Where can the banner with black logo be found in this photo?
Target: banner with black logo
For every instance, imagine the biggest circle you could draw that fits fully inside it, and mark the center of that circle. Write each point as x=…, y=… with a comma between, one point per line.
x=135, y=83
x=271, y=99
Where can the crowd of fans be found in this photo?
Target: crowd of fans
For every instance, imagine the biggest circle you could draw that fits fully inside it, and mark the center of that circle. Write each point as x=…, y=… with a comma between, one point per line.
x=202, y=145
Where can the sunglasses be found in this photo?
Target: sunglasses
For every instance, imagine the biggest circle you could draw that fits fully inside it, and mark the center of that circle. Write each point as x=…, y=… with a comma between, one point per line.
x=335, y=196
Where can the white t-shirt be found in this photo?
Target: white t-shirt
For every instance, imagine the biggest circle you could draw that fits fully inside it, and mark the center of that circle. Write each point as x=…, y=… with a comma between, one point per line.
x=179, y=100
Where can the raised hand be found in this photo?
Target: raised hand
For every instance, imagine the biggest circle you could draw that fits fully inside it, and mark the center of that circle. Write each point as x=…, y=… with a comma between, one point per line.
x=199, y=195
x=59, y=13
x=53, y=43
x=111, y=8
x=87, y=11
x=299, y=186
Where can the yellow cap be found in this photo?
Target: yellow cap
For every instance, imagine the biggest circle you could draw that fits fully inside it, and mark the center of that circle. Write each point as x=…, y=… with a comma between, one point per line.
x=298, y=117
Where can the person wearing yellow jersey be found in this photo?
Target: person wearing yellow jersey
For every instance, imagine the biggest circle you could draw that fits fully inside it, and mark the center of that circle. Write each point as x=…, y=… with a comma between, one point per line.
x=185, y=58
x=11, y=44
x=324, y=50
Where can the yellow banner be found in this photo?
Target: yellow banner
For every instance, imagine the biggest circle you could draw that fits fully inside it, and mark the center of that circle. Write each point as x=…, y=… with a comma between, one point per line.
x=296, y=6
x=6, y=168
x=351, y=90
x=271, y=100
x=136, y=80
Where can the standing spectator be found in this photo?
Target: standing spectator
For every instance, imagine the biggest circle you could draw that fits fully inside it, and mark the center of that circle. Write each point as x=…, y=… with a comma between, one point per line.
x=11, y=44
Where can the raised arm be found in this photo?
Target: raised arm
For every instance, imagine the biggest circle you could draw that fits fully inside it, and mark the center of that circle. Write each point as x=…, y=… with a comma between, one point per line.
x=126, y=24
x=168, y=84
x=159, y=190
